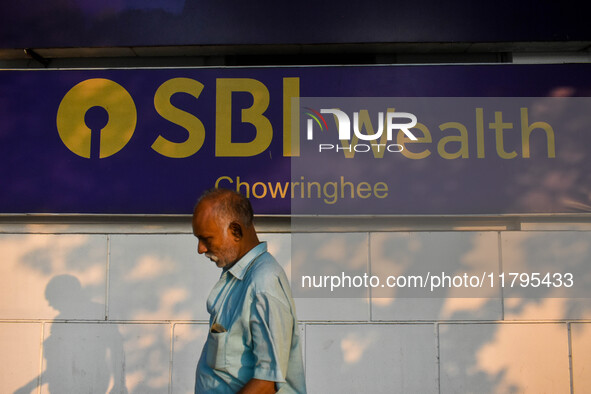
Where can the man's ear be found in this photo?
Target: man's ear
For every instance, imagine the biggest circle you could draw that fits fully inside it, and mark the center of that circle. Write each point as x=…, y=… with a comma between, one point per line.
x=236, y=230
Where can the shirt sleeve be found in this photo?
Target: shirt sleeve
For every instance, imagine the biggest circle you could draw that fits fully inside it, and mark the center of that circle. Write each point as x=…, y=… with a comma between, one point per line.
x=271, y=327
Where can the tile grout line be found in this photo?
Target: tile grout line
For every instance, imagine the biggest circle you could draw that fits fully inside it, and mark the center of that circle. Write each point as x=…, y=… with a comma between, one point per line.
x=39, y=380
x=369, y=267
x=502, y=293
x=170, y=363
x=438, y=355
x=305, y=355
x=107, y=279
x=570, y=356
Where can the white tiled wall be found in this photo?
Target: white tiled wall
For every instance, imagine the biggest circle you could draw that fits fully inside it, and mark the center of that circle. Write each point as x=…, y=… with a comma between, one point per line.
x=107, y=310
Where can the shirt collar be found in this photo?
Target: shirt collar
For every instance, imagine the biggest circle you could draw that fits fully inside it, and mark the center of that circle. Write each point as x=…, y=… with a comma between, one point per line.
x=239, y=269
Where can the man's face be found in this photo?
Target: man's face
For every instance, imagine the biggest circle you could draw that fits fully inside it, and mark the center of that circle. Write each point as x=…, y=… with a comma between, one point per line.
x=215, y=238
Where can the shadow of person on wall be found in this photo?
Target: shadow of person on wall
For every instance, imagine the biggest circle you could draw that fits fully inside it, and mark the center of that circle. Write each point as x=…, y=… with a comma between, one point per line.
x=80, y=357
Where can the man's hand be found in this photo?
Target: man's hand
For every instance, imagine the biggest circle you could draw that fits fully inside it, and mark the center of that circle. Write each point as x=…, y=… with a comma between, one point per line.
x=257, y=386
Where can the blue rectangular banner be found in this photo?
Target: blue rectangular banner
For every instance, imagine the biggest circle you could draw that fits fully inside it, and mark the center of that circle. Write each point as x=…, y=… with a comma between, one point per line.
x=148, y=141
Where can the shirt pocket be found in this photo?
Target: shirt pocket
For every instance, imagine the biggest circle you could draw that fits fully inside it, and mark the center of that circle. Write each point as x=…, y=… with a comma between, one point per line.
x=216, y=350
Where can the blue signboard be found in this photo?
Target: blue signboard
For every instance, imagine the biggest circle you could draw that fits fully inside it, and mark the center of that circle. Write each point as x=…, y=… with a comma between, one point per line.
x=148, y=141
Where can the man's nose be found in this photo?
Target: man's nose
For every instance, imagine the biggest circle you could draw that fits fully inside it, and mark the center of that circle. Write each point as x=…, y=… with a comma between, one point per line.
x=201, y=248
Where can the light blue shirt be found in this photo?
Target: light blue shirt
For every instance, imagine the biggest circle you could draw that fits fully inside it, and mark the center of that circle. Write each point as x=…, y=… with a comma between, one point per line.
x=252, y=302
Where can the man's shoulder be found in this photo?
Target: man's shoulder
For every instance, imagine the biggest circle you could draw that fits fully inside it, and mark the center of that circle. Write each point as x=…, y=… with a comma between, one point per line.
x=266, y=265
x=266, y=273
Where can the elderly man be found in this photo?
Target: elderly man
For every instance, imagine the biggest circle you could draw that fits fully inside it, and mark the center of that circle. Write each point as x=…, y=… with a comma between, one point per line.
x=253, y=344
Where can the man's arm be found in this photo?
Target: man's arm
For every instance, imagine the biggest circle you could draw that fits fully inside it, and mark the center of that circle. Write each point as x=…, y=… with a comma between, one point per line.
x=257, y=386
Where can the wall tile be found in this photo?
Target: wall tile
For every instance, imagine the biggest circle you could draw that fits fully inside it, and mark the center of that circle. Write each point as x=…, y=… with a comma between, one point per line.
x=321, y=256
x=159, y=277
x=502, y=358
x=80, y=358
x=20, y=349
x=188, y=344
x=53, y=276
x=581, y=352
x=442, y=254
x=326, y=308
x=147, y=357
x=548, y=252
x=369, y=358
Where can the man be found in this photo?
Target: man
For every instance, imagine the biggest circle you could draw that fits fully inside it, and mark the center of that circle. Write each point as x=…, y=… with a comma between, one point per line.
x=253, y=345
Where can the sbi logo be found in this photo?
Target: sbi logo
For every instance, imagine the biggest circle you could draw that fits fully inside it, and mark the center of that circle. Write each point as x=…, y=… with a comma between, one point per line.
x=111, y=96
x=116, y=132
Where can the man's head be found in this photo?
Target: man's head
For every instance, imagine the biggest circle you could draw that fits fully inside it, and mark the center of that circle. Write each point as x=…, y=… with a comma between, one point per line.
x=222, y=221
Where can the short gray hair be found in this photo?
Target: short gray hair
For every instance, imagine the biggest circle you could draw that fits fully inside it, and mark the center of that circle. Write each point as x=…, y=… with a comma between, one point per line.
x=230, y=204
